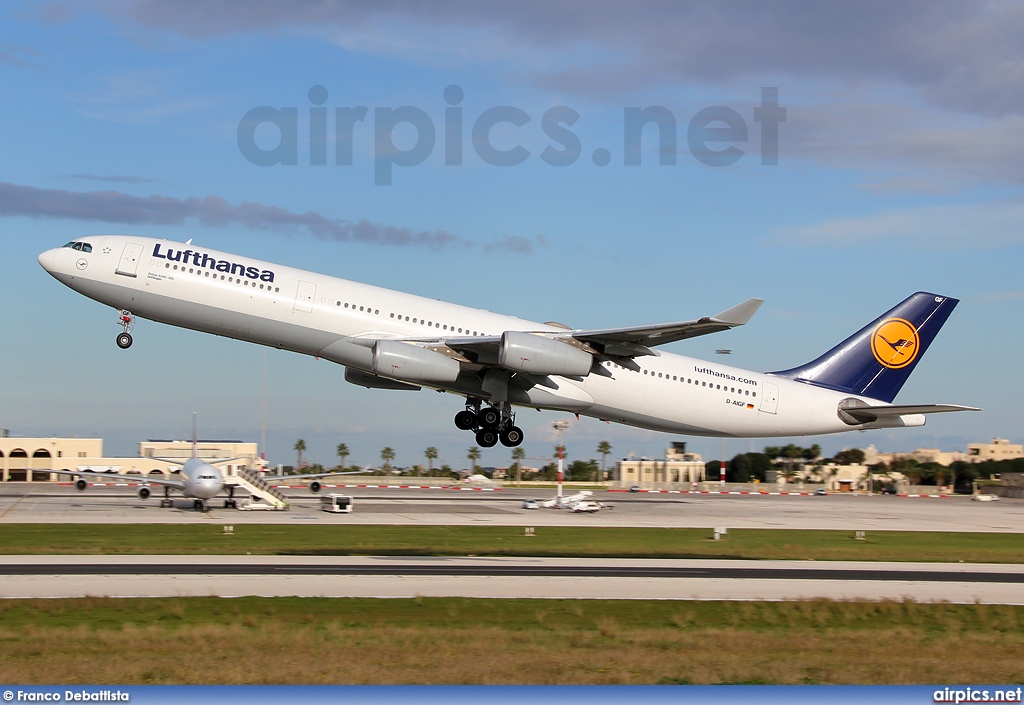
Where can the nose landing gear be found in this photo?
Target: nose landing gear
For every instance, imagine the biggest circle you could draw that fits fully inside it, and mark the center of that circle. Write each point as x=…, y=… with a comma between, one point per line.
x=492, y=424
x=126, y=320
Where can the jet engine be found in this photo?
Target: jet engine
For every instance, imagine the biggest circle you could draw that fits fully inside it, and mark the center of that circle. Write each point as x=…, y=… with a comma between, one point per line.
x=81, y=484
x=144, y=493
x=393, y=358
x=314, y=486
x=524, y=352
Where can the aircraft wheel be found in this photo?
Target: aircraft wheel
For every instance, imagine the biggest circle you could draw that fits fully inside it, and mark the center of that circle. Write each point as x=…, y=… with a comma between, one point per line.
x=487, y=438
x=490, y=417
x=465, y=420
x=512, y=436
x=124, y=341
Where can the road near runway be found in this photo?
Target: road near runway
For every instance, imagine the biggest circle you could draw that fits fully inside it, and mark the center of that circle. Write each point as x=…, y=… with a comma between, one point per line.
x=553, y=578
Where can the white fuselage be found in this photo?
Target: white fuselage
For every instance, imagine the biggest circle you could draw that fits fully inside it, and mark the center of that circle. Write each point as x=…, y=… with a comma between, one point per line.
x=323, y=316
x=201, y=480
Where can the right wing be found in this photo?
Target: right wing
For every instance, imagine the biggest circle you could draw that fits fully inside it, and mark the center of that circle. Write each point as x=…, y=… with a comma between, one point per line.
x=108, y=476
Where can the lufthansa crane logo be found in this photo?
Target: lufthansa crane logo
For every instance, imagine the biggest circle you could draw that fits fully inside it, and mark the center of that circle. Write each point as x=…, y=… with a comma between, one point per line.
x=895, y=343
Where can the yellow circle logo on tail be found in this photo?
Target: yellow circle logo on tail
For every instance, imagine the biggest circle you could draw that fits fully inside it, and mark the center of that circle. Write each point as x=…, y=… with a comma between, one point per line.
x=895, y=342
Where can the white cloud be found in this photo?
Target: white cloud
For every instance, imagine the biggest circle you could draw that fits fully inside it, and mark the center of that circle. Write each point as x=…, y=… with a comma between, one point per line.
x=967, y=226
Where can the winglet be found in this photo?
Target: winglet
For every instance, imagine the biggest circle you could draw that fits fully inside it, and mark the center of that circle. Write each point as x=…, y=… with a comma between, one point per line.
x=738, y=315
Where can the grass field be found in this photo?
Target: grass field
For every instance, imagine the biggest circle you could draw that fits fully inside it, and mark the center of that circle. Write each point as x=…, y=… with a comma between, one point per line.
x=456, y=641
x=508, y=541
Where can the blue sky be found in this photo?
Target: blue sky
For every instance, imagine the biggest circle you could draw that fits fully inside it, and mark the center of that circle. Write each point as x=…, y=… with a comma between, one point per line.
x=900, y=169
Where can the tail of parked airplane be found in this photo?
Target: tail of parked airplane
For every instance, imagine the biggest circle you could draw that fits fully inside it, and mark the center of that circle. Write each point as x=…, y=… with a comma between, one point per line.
x=878, y=359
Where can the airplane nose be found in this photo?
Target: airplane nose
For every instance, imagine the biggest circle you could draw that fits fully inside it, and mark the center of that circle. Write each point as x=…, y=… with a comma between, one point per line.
x=46, y=260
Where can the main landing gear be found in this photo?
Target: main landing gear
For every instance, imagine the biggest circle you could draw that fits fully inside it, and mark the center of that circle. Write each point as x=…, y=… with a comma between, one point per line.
x=230, y=502
x=492, y=424
x=126, y=320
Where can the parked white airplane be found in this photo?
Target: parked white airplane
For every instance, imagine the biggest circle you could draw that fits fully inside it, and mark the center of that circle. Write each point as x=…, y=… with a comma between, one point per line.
x=200, y=479
x=392, y=340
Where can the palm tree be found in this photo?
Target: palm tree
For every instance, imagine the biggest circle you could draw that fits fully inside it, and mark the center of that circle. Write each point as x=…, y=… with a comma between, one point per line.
x=604, y=448
x=517, y=456
x=300, y=446
x=474, y=455
x=342, y=452
x=387, y=455
x=431, y=454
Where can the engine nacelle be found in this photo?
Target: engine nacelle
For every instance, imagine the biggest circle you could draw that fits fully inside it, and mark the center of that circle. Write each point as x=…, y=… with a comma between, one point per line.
x=314, y=486
x=144, y=493
x=524, y=352
x=81, y=484
x=409, y=362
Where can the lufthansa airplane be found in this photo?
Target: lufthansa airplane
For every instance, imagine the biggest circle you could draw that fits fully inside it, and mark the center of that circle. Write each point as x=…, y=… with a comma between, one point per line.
x=392, y=340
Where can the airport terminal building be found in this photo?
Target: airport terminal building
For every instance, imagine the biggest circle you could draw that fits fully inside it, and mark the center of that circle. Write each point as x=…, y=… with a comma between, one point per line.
x=32, y=459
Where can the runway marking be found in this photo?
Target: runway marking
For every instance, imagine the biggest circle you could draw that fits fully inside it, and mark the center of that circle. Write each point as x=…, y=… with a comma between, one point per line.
x=14, y=504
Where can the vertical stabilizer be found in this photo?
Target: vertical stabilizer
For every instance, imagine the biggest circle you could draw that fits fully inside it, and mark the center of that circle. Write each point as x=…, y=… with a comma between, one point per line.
x=877, y=360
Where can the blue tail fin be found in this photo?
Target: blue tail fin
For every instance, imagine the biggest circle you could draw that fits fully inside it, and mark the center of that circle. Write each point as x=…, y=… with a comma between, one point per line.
x=876, y=360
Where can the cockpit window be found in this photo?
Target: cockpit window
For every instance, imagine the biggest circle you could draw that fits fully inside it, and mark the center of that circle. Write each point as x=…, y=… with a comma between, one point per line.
x=80, y=246
x=71, y=244
x=86, y=247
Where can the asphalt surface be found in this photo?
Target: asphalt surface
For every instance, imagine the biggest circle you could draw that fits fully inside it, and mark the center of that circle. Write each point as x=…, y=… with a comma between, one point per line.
x=231, y=576
x=21, y=503
x=502, y=577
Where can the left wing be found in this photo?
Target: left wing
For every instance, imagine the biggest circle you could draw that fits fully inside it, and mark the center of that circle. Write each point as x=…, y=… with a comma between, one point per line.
x=313, y=476
x=533, y=355
x=108, y=476
x=623, y=342
x=671, y=332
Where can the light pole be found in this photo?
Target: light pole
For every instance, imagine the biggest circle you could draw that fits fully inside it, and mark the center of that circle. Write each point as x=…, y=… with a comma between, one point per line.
x=560, y=427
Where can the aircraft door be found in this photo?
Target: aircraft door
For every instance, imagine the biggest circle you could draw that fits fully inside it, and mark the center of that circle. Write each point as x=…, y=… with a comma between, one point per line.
x=129, y=264
x=769, y=398
x=304, y=299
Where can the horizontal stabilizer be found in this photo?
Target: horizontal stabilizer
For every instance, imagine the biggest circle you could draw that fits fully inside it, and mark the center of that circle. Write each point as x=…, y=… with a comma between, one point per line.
x=870, y=414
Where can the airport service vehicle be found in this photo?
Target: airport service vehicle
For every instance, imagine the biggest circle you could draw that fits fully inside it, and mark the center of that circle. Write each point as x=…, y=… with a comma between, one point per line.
x=586, y=506
x=392, y=340
x=530, y=504
x=336, y=503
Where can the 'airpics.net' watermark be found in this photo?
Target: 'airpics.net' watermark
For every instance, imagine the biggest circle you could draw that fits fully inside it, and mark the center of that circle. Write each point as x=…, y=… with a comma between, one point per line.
x=712, y=134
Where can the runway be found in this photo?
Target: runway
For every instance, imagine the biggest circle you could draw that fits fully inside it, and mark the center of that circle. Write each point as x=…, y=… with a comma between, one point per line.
x=24, y=503
x=551, y=578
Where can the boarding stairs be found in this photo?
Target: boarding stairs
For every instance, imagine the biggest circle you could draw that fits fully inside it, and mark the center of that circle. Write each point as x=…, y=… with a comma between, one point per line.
x=255, y=485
